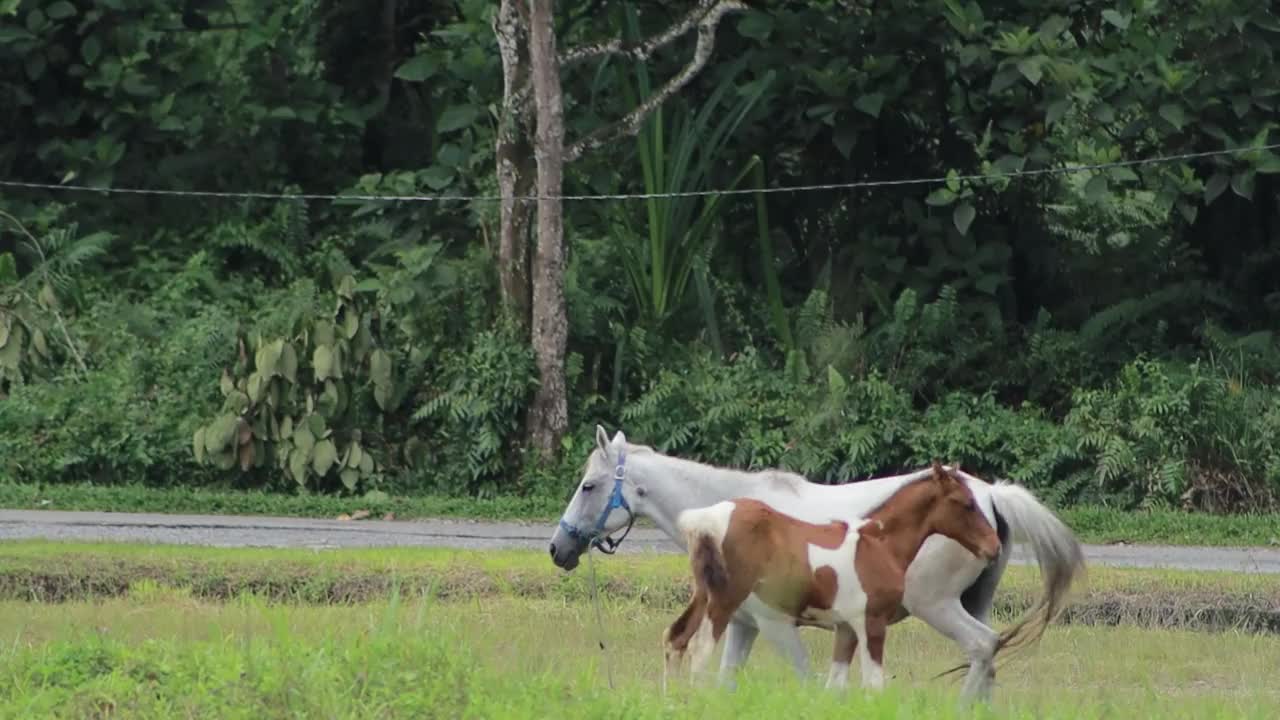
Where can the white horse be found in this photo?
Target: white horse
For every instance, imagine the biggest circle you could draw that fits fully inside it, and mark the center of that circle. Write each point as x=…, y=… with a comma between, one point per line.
x=947, y=587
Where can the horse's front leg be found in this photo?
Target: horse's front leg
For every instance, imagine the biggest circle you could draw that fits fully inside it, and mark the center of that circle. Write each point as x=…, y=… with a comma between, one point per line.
x=785, y=636
x=846, y=642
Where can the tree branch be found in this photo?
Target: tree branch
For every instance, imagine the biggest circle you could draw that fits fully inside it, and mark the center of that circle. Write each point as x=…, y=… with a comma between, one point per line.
x=630, y=123
x=645, y=48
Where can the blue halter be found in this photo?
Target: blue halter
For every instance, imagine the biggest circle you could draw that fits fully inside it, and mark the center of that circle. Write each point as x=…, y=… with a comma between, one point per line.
x=617, y=501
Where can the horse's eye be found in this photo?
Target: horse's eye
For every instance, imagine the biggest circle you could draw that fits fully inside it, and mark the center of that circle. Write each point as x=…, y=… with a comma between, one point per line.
x=587, y=487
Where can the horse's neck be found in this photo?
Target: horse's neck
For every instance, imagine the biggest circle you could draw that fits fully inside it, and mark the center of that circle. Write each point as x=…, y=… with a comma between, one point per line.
x=903, y=522
x=673, y=485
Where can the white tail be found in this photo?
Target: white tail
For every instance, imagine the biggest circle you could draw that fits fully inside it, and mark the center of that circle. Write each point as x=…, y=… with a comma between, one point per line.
x=1057, y=552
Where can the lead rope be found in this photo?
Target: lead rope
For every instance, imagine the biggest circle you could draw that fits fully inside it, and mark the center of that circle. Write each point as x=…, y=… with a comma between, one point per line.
x=595, y=600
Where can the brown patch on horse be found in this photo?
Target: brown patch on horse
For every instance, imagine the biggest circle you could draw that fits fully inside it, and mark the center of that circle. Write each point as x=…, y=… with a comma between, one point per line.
x=822, y=593
x=769, y=552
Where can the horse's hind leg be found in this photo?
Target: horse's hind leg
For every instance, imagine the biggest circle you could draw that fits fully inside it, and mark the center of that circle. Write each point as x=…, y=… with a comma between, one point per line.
x=677, y=638
x=739, y=636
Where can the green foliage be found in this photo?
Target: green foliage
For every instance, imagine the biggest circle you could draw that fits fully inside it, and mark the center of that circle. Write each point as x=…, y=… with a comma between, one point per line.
x=472, y=413
x=302, y=404
x=994, y=320
x=1180, y=434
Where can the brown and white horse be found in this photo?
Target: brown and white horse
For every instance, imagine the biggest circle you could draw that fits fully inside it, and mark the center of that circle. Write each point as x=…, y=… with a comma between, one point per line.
x=848, y=575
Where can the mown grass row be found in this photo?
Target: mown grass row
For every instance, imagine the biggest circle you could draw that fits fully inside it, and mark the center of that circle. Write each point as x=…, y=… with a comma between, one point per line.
x=162, y=654
x=58, y=572
x=1092, y=524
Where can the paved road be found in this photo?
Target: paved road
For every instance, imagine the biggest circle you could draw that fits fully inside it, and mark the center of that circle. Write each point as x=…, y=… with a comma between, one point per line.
x=240, y=531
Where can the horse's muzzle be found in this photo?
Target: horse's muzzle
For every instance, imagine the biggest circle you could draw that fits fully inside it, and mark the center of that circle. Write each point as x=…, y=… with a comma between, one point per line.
x=565, y=557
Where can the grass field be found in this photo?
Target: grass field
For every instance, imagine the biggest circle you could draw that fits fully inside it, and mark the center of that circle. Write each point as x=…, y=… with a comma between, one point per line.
x=161, y=653
x=63, y=572
x=1092, y=524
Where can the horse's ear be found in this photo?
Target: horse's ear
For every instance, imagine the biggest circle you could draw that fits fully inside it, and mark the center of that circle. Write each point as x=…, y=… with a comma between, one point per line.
x=619, y=440
x=602, y=439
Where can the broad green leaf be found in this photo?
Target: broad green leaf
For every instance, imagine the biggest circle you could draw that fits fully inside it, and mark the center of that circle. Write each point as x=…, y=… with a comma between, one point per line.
x=835, y=381
x=1174, y=115
x=322, y=362
x=1053, y=27
x=324, y=457
x=1117, y=19
x=870, y=103
x=756, y=25
x=303, y=438
x=1056, y=110
x=298, y=465
x=289, y=363
x=60, y=10
x=1096, y=188
x=963, y=217
x=9, y=34
x=6, y=322
x=91, y=50
x=354, y=455
x=1215, y=187
x=47, y=297
x=349, y=478
x=256, y=384
x=418, y=68
x=324, y=332
x=1268, y=164
x=1189, y=212
x=268, y=359
x=11, y=351
x=438, y=177
x=1123, y=174
x=34, y=66
x=366, y=463
x=451, y=155
x=315, y=423
x=221, y=434
x=1010, y=163
x=39, y=344
x=456, y=117
x=1031, y=69
x=382, y=396
x=1004, y=79
x=198, y=446
x=350, y=323
x=1242, y=184
x=988, y=283
x=845, y=137
x=8, y=269
x=940, y=197
x=328, y=402
x=380, y=367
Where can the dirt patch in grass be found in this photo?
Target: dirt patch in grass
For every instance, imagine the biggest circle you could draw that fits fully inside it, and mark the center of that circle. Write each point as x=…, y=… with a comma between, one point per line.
x=1204, y=601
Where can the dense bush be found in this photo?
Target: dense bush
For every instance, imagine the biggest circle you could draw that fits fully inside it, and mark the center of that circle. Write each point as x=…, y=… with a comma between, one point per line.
x=1101, y=336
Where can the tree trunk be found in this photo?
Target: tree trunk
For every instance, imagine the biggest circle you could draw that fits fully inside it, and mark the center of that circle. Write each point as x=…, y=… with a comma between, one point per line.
x=549, y=415
x=514, y=163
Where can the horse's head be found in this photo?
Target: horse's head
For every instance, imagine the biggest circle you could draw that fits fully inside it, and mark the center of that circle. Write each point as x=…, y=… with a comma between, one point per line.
x=600, y=506
x=955, y=514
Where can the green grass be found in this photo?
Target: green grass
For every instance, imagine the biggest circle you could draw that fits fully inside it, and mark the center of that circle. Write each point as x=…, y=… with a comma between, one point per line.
x=158, y=653
x=62, y=572
x=1093, y=525
x=136, y=498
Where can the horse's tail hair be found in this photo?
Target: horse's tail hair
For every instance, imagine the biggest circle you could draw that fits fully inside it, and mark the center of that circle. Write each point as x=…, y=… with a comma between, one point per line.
x=1057, y=552
x=704, y=530
x=708, y=566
